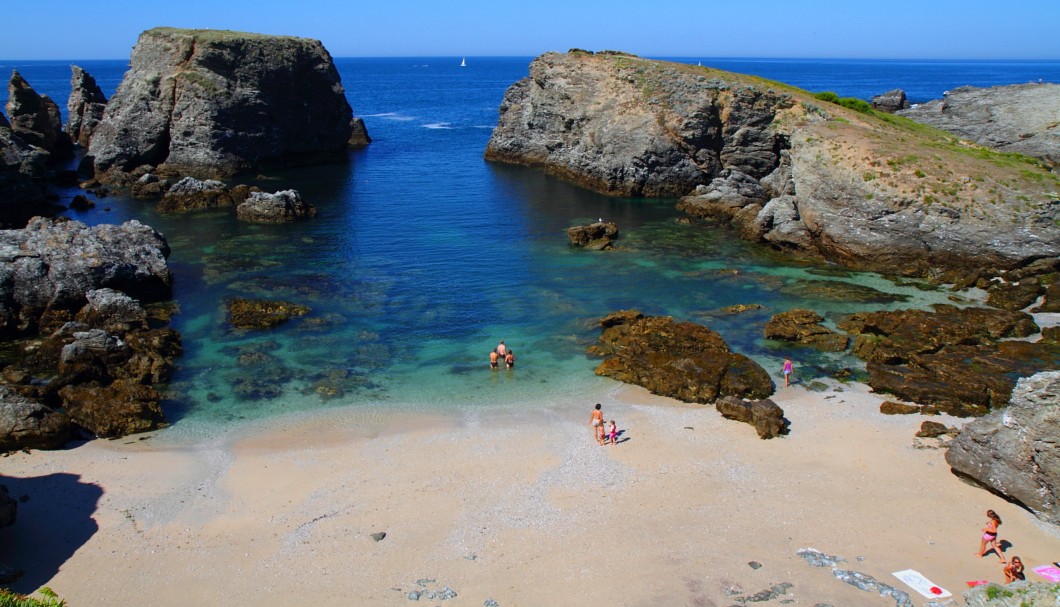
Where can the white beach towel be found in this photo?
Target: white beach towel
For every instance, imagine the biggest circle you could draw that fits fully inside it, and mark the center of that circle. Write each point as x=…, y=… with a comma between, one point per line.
x=915, y=580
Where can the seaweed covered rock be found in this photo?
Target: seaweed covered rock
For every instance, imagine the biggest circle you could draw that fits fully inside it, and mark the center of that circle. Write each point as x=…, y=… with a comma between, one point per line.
x=1015, y=452
x=765, y=415
x=803, y=326
x=681, y=360
x=211, y=103
x=117, y=409
x=595, y=236
x=261, y=314
x=952, y=360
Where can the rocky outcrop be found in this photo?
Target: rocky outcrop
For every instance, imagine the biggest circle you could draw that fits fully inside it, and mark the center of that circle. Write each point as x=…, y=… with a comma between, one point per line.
x=28, y=424
x=1022, y=592
x=891, y=101
x=765, y=415
x=261, y=314
x=803, y=326
x=211, y=103
x=84, y=108
x=681, y=360
x=22, y=167
x=788, y=170
x=596, y=236
x=953, y=360
x=1016, y=451
x=36, y=118
x=191, y=194
x=281, y=207
x=1017, y=118
x=52, y=265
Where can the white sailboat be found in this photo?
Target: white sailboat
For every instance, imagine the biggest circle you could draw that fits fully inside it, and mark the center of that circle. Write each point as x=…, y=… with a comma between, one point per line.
x=463, y=62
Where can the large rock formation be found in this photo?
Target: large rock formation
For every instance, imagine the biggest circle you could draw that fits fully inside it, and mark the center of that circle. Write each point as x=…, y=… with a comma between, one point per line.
x=36, y=118
x=1016, y=451
x=215, y=103
x=191, y=194
x=1018, y=118
x=681, y=360
x=84, y=108
x=22, y=167
x=864, y=190
x=52, y=265
x=954, y=360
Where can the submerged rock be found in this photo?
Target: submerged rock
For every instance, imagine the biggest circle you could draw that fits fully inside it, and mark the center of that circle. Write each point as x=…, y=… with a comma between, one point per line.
x=681, y=360
x=1014, y=452
x=262, y=314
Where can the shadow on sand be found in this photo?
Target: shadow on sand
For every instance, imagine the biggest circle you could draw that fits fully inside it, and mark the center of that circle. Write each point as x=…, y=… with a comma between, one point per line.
x=53, y=522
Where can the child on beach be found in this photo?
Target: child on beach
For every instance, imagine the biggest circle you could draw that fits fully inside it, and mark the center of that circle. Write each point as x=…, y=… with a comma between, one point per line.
x=787, y=371
x=990, y=536
x=1014, y=570
x=612, y=432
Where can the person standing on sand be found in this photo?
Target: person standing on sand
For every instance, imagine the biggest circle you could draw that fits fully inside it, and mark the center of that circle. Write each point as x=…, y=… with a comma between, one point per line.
x=990, y=536
x=612, y=432
x=596, y=420
x=787, y=371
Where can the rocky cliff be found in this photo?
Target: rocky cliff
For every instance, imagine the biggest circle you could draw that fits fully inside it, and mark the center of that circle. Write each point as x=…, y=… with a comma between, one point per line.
x=84, y=108
x=212, y=103
x=866, y=190
x=1021, y=118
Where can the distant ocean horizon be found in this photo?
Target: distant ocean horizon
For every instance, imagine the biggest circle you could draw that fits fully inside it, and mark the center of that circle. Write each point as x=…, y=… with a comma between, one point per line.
x=423, y=256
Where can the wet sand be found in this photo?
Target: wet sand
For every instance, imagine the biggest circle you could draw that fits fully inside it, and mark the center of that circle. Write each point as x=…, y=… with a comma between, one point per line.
x=518, y=505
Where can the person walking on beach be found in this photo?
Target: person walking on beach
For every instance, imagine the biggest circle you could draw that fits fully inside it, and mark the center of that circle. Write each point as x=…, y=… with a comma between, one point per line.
x=509, y=359
x=990, y=536
x=1014, y=570
x=787, y=371
x=612, y=432
x=596, y=420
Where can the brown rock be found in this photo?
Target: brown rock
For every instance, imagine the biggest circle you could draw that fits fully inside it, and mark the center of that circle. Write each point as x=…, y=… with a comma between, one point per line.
x=765, y=415
x=261, y=314
x=931, y=429
x=803, y=326
x=595, y=236
x=890, y=407
x=116, y=410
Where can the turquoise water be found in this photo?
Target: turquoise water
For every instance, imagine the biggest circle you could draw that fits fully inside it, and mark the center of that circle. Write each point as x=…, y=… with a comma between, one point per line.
x=423, y=256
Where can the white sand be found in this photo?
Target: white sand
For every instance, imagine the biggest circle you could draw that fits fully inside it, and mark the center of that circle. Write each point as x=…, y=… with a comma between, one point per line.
x=521, y=506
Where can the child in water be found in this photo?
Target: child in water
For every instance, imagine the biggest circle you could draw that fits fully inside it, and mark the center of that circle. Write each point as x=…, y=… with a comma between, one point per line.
x=612, y=432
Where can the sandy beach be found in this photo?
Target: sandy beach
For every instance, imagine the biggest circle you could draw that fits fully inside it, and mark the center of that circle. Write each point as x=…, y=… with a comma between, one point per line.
x=517, y=505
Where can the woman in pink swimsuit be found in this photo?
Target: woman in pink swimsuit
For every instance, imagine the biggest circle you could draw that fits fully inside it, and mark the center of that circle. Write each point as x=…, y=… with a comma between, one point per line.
x=990, y=536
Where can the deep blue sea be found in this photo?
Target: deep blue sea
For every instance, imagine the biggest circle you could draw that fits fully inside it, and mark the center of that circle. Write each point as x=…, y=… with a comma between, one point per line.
x=423, y=256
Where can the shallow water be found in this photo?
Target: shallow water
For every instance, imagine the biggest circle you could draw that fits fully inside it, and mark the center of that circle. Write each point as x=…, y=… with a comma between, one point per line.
x=423, y=256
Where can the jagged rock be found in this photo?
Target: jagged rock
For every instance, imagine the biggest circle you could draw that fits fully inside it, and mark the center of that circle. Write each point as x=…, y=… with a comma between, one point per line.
x=52, y=265
x=681, y=360
x=191, y=194
x=765, y=415
x=1015, y=118
x=891, y=101
x=26, y=424
x=260, y=314
x=1016, y=451
x=91, y=355
x=211, y=103
x=868, y=583
x=595, y=236
x=1052, y=300
x=36, y=118
x=281, y=207
x=1014, y=296
x=803, y=326
x=358, y=134
x=120, y=408
x=1029, y=594
x=952, y=360
x=112, y=311
x=22, y=167
x=152, y=359
x=84, y=108
x=889, y=407
x=832, y=182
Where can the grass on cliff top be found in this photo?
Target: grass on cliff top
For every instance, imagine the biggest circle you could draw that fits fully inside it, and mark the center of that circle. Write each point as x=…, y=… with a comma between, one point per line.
x=201, y=35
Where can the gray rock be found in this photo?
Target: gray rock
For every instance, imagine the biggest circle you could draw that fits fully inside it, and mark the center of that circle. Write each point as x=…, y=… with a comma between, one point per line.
x=1023, y=593
x=1015, y=118
x=1016, y=451
x=378, y=536
x=870, y=584
x=26, y=424
x=52, y=265
x=84, y=108
x=36, y=118
x=281, y=207
x=817, y=558
x=891, y=101
x=22, y=167
x=212, y=103
x=191, y=194
x=113, y=311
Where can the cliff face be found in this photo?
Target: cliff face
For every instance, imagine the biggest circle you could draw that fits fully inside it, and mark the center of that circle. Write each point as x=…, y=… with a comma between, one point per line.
x=215, y=103
x=868, y=191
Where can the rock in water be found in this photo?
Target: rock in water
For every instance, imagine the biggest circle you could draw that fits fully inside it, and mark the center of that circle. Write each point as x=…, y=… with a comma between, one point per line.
x=212, y=103
x=36, y=118
x=681, y=360
x=1016, y=451
x=281, y=207
x=85, y=106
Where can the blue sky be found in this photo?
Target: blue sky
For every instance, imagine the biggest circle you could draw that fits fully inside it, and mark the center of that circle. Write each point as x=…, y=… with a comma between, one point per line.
x=898, y=29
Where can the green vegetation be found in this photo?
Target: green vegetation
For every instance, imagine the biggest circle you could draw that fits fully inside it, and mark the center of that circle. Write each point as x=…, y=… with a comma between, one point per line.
x=200, y=35
x=198, y=79
x=851, y=103
x=50, y=599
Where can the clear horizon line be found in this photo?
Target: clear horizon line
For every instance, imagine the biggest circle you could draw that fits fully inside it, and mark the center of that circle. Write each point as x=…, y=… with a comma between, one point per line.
x=659, y=57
